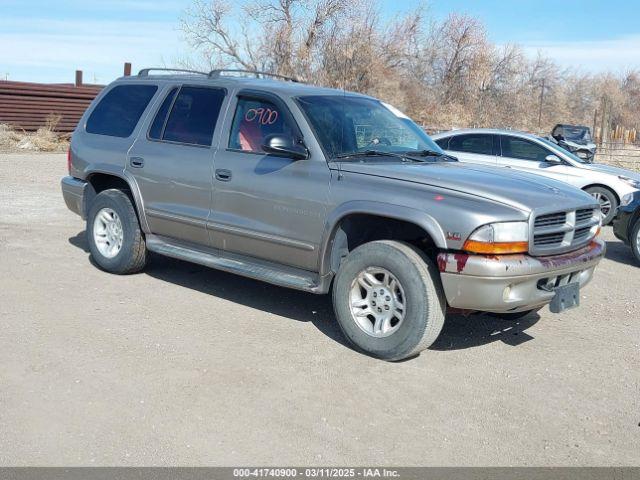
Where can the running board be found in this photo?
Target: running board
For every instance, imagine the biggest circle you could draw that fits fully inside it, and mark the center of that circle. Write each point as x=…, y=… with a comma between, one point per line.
x=281, y=275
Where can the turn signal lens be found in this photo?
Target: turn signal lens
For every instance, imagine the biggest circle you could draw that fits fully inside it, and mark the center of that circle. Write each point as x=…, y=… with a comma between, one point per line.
x=499, y=238
x=495, y=248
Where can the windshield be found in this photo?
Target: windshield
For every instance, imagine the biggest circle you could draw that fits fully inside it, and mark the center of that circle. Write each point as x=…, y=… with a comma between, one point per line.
x=561, y=150
x=346, y=125
x=576, y=134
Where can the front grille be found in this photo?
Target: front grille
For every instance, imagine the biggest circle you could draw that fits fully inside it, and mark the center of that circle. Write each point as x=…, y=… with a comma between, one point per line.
x=563, y=231
x=548, y=239
x=551, y=219
x=581, y=234
x=584, y=215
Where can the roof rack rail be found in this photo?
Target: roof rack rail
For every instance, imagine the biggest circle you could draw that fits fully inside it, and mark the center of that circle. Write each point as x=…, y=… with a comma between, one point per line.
x=145, y=71
x=218, y=73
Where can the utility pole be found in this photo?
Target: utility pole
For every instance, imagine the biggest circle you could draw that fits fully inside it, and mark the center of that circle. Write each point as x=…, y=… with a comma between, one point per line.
x=540, y=109
x=604, y=121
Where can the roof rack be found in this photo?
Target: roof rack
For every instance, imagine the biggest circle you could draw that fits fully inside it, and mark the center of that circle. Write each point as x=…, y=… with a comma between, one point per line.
x=218, y=73
x=145, y=71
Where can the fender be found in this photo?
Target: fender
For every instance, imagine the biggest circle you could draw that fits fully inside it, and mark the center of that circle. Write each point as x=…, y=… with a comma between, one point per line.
x=115, y=171
x=388, y=210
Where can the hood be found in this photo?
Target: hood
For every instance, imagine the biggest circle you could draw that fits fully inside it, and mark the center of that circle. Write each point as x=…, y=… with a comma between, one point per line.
x=599, y=167
x=526, y=192
x=582, y=144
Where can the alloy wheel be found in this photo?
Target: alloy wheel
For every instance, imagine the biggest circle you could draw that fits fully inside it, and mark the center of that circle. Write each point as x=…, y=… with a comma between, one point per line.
x=377, y=302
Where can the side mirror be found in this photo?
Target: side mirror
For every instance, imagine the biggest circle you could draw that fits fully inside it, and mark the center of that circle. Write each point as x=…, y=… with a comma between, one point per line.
x=553, y=159
x=286, y=146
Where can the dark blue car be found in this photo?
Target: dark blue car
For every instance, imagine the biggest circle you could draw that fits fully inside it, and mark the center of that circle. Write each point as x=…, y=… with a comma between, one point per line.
x=627, y=225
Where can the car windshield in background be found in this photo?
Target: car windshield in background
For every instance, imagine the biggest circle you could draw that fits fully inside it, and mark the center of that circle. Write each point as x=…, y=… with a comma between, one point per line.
x=576, y=134
x=349, y=125
x=565, y=152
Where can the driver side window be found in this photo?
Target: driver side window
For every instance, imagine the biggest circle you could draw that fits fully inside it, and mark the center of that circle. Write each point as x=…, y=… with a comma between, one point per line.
x=522, y=149
x=253, y=121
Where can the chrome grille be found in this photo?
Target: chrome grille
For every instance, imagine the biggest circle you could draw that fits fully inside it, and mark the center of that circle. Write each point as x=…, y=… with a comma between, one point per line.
x=581, y=233
x=551, y=219
x=548, y=239
x=563, y=231
x=584, y=215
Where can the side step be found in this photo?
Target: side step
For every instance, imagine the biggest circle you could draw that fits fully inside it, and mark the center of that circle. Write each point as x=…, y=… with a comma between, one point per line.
x=276, y=274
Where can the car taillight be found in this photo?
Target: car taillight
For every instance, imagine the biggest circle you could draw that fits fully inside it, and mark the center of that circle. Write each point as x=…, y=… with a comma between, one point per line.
x=69, y=160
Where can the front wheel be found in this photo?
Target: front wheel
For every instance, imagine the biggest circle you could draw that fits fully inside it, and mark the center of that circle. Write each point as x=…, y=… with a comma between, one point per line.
x=388, y=300
x=607, y=200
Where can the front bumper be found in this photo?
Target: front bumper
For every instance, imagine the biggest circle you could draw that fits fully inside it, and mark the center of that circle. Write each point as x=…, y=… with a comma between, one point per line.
x=513, y=283
x=626, y=218
x=73, y=190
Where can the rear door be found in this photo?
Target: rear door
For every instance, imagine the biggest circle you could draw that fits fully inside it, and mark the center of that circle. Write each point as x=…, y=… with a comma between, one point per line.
x=479, y=148
x=172, y=161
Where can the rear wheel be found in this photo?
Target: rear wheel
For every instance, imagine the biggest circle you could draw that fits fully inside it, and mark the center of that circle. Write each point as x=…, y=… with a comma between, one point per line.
x=607, y=200
x=114, y=235
x=388, y=300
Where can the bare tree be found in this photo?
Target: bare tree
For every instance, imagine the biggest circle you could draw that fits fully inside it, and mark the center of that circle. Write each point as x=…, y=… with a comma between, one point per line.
x=442, y=73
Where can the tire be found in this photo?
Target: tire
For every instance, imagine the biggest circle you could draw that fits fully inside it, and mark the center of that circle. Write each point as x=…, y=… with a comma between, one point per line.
x=604, y=194
x=131, y=257
x=635, y=240
x=514, y=315
x=418, y=290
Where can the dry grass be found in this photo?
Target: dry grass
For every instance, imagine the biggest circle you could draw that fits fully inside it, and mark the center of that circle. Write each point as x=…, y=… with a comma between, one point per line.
x=45, y=139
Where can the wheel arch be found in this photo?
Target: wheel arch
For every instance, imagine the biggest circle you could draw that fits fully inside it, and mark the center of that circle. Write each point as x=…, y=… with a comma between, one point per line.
x=99, y=181
x=606, y=187
x=337, y=240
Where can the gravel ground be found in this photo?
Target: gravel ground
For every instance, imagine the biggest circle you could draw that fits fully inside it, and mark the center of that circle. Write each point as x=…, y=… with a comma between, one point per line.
x=182, y=365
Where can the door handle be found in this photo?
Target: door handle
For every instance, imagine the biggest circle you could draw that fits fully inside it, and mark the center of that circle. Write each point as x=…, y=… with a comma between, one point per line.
x=136, y=162
x=223, y=175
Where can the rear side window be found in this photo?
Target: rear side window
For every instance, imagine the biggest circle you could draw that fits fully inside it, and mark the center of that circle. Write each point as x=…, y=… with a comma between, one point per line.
x=157, y=127
x=120, y=109
x=194, y=116
x=482, y=144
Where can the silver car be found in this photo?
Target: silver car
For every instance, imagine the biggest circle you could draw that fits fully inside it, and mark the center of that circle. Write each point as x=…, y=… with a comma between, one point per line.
x=611, y=186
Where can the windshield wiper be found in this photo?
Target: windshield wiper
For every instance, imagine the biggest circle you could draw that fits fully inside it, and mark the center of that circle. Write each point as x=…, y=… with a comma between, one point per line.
x=429, y=153
x=424, y=153
x=377, y=153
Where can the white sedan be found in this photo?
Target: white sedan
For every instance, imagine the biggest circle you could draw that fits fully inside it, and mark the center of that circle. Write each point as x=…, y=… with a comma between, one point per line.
x=611, y=186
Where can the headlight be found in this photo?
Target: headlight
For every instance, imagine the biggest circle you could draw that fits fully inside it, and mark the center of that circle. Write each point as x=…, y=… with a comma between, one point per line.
x=630, y=181
x=626, y=199
x=505, y=237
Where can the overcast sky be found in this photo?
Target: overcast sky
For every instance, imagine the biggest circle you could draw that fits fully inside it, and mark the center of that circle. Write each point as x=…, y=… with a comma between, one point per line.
x=46, y=40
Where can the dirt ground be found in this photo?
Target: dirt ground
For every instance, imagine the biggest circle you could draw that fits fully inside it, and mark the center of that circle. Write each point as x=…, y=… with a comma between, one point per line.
x=182, y=365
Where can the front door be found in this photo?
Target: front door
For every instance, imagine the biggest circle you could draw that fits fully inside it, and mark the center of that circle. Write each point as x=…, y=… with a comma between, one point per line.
x=527, y=156
x=172, y=162
x=267, y=206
